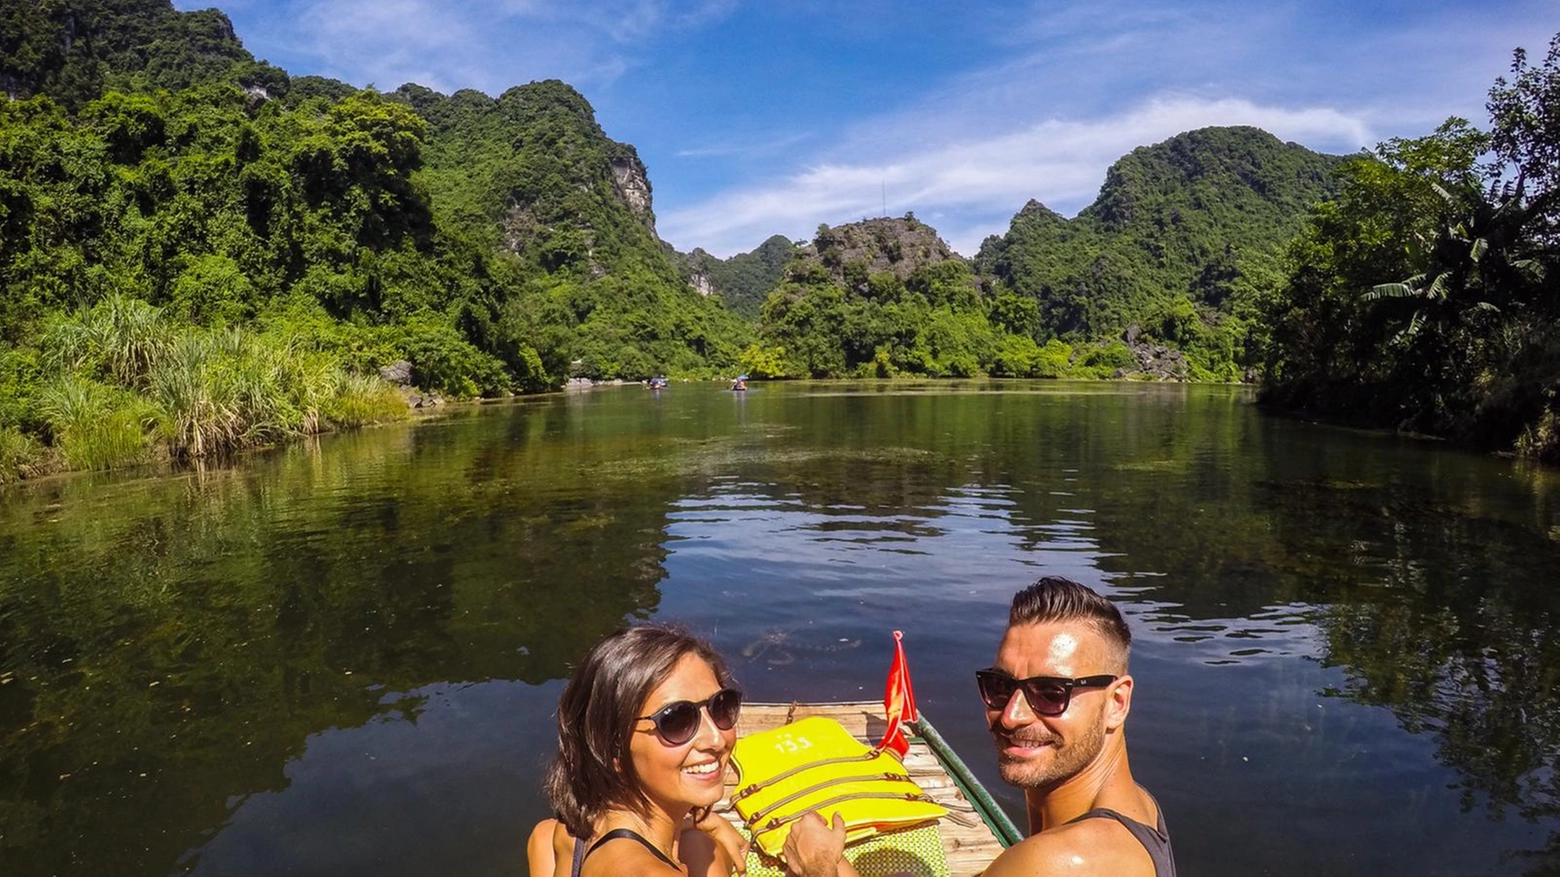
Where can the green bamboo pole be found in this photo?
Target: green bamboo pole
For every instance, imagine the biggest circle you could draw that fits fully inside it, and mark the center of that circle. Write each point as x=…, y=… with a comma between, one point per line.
x=994, y=816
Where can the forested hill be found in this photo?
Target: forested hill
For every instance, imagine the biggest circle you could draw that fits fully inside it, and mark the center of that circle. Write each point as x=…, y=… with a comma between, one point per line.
x=74, y=52
x=534, y=181
x=1196, y=216
x=743, y=280
x=1160, y=277
x=202, y=253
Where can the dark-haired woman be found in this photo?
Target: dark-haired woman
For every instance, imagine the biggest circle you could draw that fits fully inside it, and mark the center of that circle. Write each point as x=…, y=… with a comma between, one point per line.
x=645, y=731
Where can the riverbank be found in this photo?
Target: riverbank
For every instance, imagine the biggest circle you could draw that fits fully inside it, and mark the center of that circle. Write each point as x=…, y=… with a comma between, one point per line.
x=118, y=386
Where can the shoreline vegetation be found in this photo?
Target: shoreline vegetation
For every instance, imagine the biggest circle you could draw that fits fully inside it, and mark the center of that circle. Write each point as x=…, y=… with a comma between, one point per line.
x=203, y=254
x=120, y=385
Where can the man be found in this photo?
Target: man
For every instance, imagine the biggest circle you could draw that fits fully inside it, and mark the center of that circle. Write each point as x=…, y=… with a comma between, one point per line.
x=1057, y=701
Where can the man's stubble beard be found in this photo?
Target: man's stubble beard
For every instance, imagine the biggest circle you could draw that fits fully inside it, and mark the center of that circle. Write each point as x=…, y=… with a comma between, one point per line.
x=1064, y=763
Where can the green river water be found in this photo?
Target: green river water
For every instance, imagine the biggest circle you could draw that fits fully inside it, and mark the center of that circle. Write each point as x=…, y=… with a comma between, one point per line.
x=341, y=657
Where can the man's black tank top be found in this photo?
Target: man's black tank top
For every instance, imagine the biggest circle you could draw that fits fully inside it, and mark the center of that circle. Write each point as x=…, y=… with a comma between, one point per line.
x=1155, y=840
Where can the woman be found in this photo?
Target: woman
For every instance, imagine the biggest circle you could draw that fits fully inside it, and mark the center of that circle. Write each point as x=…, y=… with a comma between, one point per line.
x=645, y=730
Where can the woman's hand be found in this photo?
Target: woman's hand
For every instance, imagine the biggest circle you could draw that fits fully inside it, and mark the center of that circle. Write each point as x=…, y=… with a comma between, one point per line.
x=814, y=849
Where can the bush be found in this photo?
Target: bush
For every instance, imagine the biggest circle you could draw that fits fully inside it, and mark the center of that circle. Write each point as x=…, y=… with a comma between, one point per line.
x=763, y=362
x=1105, y=361
x=19, y=384
x=20, y=455
x=1054, y=359
x=444, y=361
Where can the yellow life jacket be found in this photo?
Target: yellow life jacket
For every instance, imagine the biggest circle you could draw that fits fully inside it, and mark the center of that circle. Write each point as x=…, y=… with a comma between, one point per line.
x=815, y=764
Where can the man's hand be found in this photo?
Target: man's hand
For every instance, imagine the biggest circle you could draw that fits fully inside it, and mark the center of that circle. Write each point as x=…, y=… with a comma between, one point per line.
x=727, y=838
x=814, y=849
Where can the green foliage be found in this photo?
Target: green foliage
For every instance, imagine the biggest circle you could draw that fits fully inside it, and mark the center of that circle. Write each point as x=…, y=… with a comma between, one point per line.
x=1104, y=361
x=497, y=245
x=763, y=362
x=357, y=400
x=74, y=51
x=93, y=425
x=1423, y=298
x=746, y=279
x=118, y=339
x=121, y=383
x=588, y=288
x=879, y=299
x=1020, y=357
x=443, y=360
x=1054, y=360
x=20, y=379
x=20, y=454
x=1199, y=217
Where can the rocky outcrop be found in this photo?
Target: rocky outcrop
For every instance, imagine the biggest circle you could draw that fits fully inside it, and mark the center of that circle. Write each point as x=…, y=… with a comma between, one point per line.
x=632, y=184
x=881, y=246
x=1159, y=361
x=399, y=373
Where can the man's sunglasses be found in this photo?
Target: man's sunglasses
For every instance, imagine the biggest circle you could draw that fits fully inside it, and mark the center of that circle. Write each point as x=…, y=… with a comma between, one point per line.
x=1047, y=695
x=677, y=723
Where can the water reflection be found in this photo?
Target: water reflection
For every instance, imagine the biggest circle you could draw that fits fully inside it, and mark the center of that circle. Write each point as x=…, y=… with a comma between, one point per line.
x=342, y=657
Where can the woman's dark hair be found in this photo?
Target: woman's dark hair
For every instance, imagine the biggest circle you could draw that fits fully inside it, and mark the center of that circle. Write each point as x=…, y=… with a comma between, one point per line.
x=1056, y=599
x=592, y=771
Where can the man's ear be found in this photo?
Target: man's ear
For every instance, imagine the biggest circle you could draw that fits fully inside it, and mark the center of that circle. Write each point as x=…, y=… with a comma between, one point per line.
x=1118, y=702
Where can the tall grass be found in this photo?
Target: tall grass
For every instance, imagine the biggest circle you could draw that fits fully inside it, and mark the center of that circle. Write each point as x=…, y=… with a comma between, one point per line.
x=195, y=401
x=118, y=338
x=127, y=384
x=223, y=391
x=95, y=426
x=358, y=400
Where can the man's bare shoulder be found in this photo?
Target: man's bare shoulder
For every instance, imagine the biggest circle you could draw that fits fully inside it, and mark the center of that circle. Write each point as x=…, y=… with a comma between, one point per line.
x=1090, y=846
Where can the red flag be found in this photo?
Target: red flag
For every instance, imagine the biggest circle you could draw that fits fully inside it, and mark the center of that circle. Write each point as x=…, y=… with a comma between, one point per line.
x=898, y=700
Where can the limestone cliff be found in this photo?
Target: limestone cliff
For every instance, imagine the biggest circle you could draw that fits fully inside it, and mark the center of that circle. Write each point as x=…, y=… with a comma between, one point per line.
x=633, y=185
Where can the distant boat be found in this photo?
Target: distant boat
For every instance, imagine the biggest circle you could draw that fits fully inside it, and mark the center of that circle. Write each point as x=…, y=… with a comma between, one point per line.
x=658, y=383
x=740, y=384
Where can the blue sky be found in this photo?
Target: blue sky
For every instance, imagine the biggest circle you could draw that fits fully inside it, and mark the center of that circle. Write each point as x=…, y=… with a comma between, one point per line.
x=761, y=118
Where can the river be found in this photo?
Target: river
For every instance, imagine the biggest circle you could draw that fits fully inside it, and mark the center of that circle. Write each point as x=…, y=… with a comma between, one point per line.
x=341, y=657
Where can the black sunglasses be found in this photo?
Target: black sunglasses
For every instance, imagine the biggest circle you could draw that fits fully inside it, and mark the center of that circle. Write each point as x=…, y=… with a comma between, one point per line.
x=677, y=723
x=1047, y=695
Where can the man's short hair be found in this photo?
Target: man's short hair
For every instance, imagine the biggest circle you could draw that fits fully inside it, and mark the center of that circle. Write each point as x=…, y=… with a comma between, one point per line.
x=1054, y=599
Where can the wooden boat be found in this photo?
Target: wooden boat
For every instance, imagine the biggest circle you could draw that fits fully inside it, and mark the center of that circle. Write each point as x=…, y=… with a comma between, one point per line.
x=976, y=830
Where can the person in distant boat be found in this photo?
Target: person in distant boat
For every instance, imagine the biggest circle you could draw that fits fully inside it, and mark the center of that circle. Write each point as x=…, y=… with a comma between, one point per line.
x=1057, y=700
x=645, y=731
x=740, y=383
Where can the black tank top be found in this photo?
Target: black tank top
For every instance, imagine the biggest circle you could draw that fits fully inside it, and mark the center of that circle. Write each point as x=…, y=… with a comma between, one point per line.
x=614, y=834
x=1155, y=840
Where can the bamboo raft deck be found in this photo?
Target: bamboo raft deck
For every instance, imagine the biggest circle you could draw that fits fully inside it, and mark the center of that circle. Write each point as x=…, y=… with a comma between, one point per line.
x=971, y=836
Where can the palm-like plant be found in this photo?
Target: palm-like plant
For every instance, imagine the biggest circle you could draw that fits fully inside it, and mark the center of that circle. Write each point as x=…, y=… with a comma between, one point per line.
x=1473, y=260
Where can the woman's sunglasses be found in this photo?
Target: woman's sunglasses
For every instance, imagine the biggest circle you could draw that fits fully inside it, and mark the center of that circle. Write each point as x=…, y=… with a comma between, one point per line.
x=677, y=723
x=1047, y=695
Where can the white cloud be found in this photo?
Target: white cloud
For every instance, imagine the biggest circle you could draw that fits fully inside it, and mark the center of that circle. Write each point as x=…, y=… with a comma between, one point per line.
x=484, y=44
x=745, y=148
x=974, y=186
